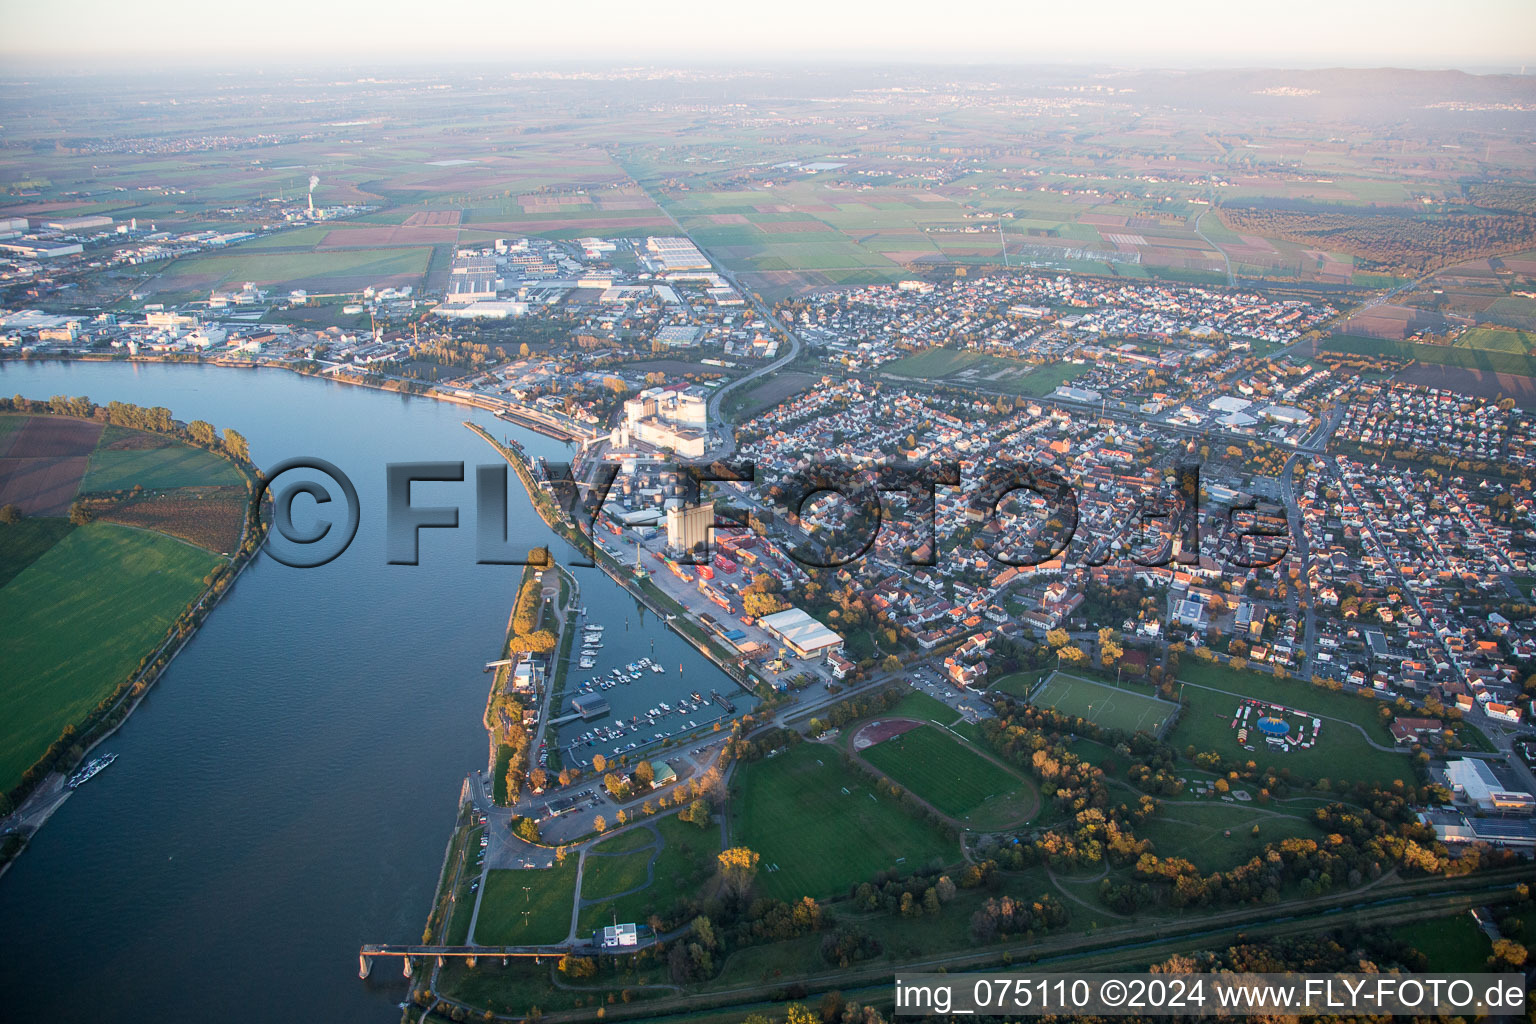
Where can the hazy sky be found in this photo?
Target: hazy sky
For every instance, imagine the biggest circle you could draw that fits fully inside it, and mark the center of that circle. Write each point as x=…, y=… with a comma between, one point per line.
x=1405, y=33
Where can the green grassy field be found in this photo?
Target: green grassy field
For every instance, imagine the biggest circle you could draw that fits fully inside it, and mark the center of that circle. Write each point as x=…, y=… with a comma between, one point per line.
x=821, y=828
x=609, y=875
x=119, y=587
x=1019, y=684
x=1103, y=704
x=685, y=864
x=919, y=705
x=332, y=270
x=1451, y=943
x=173, y=465
x=25, y=542
x=1197, y=831
x=979, y=370
x=547, y=903
x=1341, y=753
x=634, y=839
x=955, y=779
x=1499, y=339
x=1443, y=355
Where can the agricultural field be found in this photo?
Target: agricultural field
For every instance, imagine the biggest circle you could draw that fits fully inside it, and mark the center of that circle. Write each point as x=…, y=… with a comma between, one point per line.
x=25, y=542
x=955, y=779
x=1103, y=703
x=821, y=828
x=326, y=271
x=1499, y=339
x=1517, y=364
x=126, y=458
x=511, y=916
x=119, y=587
x=210, y=517
x=42, y=461
x=683, y=865
x=107, y=591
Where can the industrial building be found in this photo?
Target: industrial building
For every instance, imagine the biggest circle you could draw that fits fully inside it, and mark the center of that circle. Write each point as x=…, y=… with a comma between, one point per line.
x=473, y=279
x=673, y=254
x=689, y=526
x=669, y=418
x=803, y=635
x=1472, y=781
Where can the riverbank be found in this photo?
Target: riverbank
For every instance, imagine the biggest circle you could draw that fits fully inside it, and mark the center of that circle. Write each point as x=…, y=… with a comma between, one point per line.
x=522, y=416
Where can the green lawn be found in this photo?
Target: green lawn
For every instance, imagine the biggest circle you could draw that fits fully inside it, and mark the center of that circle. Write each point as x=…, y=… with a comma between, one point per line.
x=551, y=895
x=1341, y=753
x=919, y=705
x=685, y=864
x=1197, y=831
x=953, y=778
x=25, y=542
x=173, y=465
x=1103, y=704
x=1019, y=684
x=634, y=839
x=75, y=623
x=987, y=372
x=821, y=828
x=1451, y=943
x=609, y=875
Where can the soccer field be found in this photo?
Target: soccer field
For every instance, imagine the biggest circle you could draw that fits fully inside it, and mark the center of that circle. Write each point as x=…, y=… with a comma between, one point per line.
x=953, y=778
x=1103, y=704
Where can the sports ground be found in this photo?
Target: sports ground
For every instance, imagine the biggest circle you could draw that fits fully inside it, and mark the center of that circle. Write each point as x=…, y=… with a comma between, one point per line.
x=951, y=776
x=1103, y=704
x=820, y=828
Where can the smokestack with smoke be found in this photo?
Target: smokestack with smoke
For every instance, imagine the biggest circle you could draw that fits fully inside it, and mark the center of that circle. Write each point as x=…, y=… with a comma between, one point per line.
x=313, y=181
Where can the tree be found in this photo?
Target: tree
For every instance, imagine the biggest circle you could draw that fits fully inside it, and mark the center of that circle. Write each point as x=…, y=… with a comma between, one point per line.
x=600, y=823
x=79, y=515
x=644, y=774
x=1058, y=638
x=599, y=763
x=538, y=778
x=614, y=783
x=202, y=433
x=891, y=663
x=578, y=966
x=698, y=813
x=527, y=830
x=10, y=514
x=235, y=444
x=738, y=867
x=1072, y=655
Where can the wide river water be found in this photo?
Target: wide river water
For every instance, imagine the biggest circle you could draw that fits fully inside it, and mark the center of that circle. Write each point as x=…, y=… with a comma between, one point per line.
x=286, y=791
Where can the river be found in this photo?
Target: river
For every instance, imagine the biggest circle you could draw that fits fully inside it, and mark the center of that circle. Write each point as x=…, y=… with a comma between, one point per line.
x=286, y=790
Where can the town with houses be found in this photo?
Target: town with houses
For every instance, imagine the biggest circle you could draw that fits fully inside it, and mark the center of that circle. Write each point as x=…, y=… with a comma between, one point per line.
x=1370, y=577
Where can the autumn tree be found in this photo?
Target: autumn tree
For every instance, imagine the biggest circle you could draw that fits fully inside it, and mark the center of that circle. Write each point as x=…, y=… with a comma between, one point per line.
x=738, y=867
